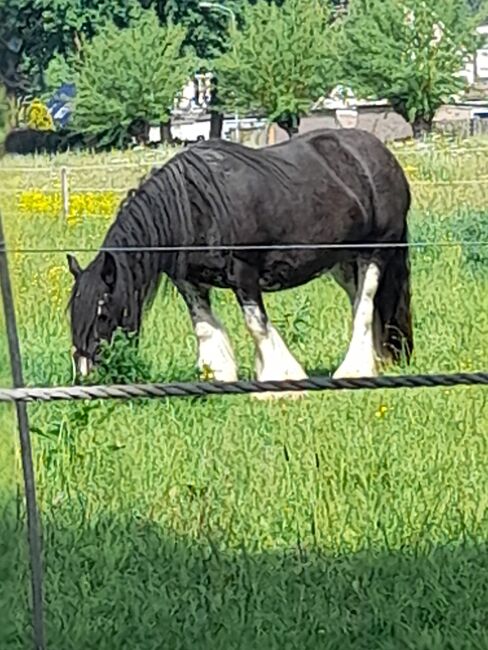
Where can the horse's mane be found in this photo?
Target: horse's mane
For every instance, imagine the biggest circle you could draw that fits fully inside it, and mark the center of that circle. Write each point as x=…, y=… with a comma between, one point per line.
x=168, y=209
x=162, y=210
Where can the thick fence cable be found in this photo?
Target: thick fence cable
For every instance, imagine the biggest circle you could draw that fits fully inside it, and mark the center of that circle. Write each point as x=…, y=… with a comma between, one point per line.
x=208, y=388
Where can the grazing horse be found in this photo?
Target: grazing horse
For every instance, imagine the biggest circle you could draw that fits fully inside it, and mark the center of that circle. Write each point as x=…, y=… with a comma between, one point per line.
x=339, y=187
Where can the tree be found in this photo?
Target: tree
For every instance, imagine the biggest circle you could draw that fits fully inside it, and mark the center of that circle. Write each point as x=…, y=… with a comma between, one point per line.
x=33, y=31
x=20, y=24
x=208, y=36
x=130, y=74
x=206, y=30
x=281, y=61
x=4, y=115
x=474, y=5
x=409, y=52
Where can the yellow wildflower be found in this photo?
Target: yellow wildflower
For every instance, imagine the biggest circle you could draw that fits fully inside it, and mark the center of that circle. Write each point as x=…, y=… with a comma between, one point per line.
x=53, y=277
x=207, y=373
x=81, y=204
x=382, y=411
x=38, y=116
x=410, y=171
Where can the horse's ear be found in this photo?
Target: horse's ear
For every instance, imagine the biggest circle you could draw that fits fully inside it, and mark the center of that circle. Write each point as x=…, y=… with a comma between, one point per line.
x=73, y=266
x=109, y=270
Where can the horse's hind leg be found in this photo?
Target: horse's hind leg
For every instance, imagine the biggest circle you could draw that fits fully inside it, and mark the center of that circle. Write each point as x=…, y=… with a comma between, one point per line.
x=346, y=276
x=274, y=361
x=361, y=285
x=214, y=349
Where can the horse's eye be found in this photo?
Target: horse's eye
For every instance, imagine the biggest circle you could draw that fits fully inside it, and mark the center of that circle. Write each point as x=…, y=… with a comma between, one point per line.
x=103, y=318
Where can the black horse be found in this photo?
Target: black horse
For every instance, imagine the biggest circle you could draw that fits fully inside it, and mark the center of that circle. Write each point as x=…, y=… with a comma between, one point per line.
x=339, y=187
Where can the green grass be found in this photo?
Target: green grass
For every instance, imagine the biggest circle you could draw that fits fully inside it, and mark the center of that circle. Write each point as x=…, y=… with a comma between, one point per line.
x=346, y=520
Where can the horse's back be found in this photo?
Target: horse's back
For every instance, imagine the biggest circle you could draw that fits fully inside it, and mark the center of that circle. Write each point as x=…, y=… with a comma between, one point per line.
x=325, y=185
x=362, y=163
x=339, y=148
x=344, y=178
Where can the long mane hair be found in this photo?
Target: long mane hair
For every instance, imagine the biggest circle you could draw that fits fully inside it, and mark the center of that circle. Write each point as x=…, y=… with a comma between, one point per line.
x=184, y=202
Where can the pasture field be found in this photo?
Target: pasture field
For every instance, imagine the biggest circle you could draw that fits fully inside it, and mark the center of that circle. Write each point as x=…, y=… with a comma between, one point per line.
x=349, y=520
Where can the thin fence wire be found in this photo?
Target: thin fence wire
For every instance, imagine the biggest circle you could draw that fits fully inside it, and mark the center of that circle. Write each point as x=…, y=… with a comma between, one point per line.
x=97, y=167
x=413, y=183
x=54, y=185
x=442, y=183
x=145, y=164
x=243, y=247
x=42, y=168
x=425, y=183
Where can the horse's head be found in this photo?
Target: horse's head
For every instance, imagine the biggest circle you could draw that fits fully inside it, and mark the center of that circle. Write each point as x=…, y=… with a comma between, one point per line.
x=95, y=310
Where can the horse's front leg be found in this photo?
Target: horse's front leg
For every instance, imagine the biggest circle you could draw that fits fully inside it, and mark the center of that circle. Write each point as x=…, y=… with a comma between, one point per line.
x=274, y=361
x=214, y=349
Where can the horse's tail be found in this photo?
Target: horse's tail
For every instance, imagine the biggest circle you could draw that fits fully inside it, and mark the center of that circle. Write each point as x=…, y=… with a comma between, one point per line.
x=393, y=316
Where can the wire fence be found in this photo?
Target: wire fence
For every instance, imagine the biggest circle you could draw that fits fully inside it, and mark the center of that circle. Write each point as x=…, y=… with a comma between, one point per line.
x=212, y=388
x=69, y=181
x=420, y=151
x=227, y=248
x=65, y=197
x=20, y=395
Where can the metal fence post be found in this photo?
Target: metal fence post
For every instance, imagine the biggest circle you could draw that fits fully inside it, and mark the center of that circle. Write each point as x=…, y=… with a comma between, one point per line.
x=33, y=526
x=65, y=191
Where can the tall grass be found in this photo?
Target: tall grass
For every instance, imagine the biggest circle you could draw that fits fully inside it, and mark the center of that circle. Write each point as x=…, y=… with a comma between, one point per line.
x=351, y=520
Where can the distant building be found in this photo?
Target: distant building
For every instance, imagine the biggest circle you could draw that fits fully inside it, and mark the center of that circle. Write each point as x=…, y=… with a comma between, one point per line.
x=60, y=106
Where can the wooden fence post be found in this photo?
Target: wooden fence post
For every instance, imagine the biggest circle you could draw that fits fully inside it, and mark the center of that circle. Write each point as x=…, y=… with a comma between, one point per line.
x=65, y=191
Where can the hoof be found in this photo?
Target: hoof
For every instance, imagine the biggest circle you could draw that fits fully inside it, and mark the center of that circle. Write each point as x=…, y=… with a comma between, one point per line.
x=353, y=373
x=294, y=374
x=275, y=395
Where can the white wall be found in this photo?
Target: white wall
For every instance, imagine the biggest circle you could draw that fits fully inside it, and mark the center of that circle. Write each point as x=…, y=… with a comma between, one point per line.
x=190, y=130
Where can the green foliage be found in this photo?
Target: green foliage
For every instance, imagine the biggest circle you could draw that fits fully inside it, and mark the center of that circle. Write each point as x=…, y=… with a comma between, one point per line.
x=20, y=30
x=4, y=113
x=67, y=19
x=43, y=29
x=130, y=73
x=120, y=362
x=392, y=50
x=282, y=60
x=207, y=29
x=60, y=69
x=472, y=230
x=67, y=23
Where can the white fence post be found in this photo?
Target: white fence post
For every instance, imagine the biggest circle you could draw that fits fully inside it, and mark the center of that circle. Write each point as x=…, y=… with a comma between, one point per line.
x=65, y=191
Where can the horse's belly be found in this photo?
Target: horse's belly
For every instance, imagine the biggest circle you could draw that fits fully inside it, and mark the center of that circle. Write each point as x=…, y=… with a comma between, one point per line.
x=276, y=271
x=277, y=275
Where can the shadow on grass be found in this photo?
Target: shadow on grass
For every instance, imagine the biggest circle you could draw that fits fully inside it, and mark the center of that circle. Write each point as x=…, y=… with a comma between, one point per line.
x=113, y=584
x=321, y=371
